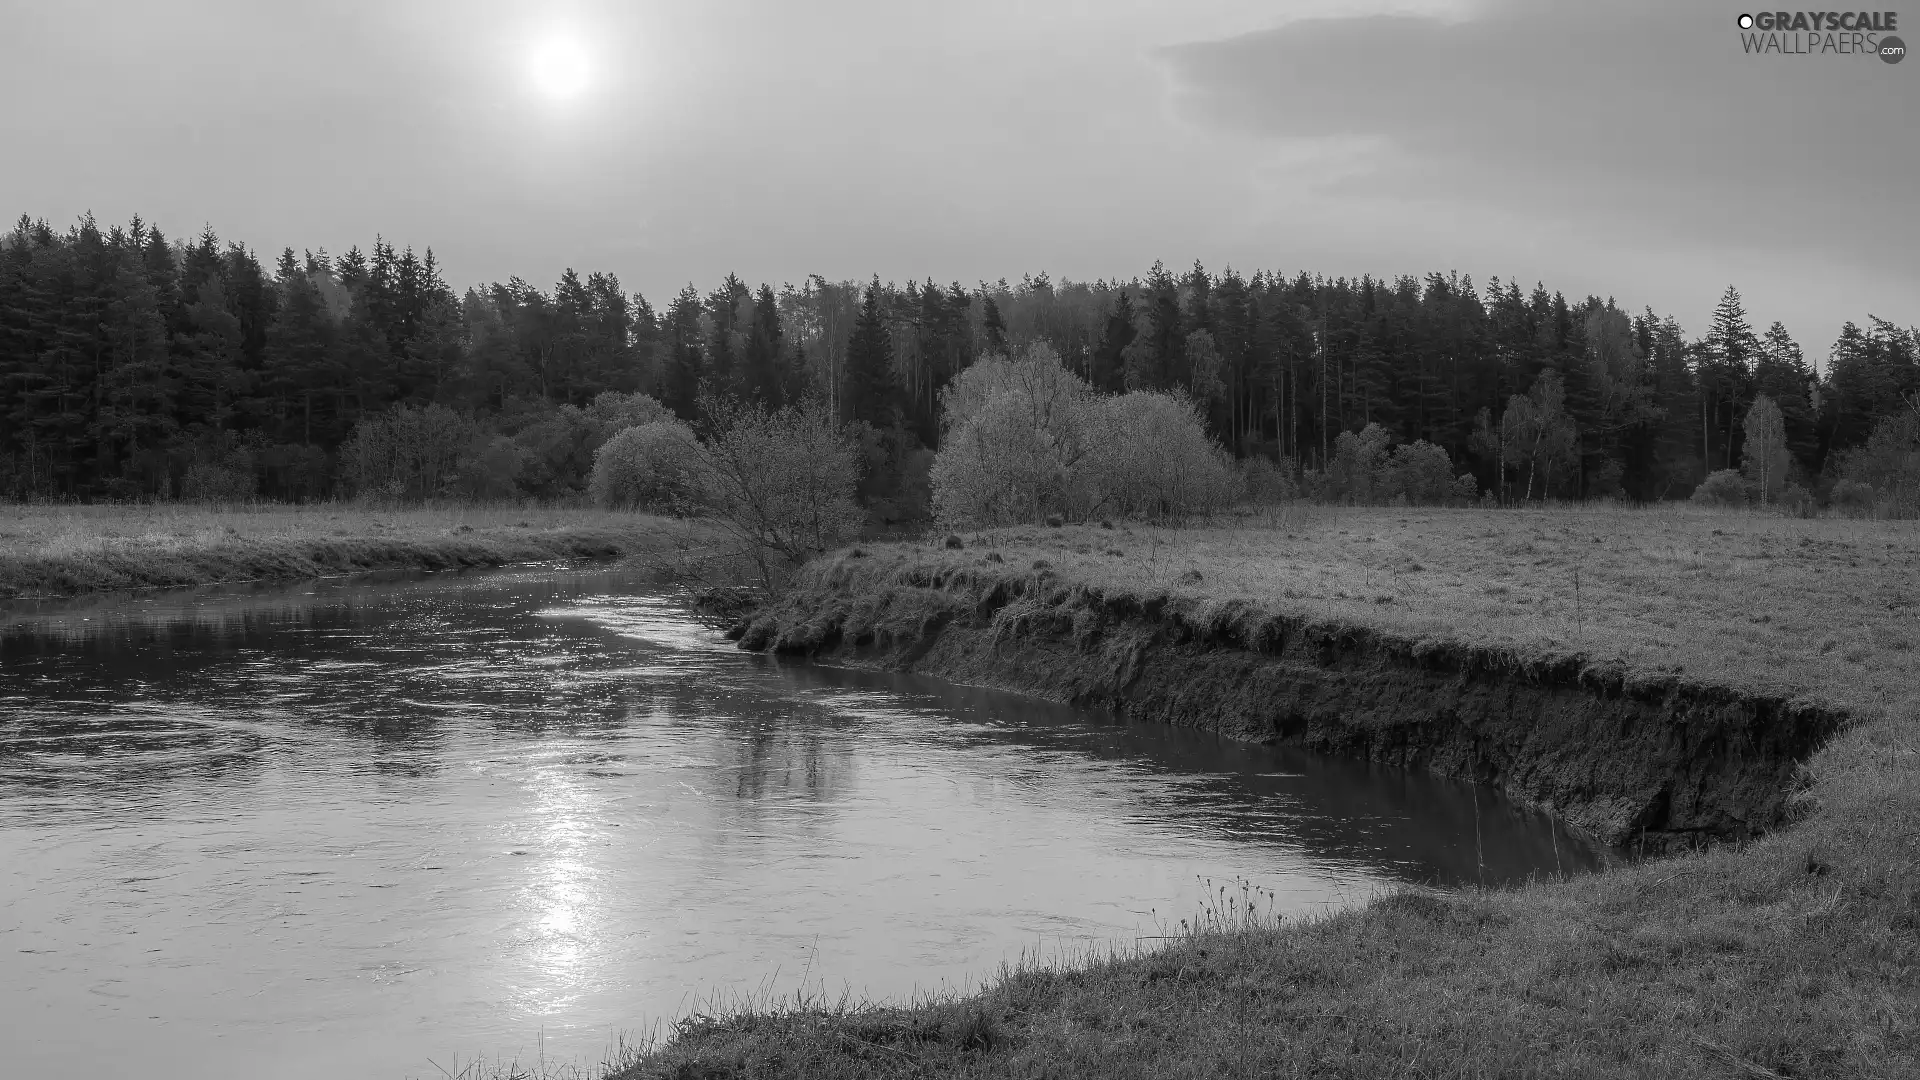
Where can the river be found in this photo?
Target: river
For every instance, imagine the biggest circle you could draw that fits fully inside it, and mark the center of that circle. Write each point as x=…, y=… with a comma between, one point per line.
x=389, y=826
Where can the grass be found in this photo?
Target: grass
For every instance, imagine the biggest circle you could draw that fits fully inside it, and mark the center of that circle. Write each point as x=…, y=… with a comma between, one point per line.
x=1827, y=606
x=1797, y=955
x=68, y=550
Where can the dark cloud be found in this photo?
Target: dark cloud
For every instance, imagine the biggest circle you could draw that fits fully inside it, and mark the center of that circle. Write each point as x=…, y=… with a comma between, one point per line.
x=1647, y=120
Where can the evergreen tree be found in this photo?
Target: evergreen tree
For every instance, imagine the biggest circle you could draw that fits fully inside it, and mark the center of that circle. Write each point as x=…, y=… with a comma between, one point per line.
x=1780, y=372
x=1725, y=374
x=995, y=327
x=760, y=376
x=870, y=395
x=726, y=337
x=1109, y=359
x=680, y=374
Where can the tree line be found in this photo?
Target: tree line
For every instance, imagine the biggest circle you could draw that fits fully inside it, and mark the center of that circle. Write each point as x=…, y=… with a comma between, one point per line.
x=134, y=365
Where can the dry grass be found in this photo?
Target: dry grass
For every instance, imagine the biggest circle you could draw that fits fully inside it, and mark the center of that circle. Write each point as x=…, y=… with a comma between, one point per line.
x=1798, y=956
x=1829, y=606
x=65, y=550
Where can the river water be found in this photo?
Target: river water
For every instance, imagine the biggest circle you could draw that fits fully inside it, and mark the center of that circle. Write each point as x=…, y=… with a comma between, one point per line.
x=386, y=827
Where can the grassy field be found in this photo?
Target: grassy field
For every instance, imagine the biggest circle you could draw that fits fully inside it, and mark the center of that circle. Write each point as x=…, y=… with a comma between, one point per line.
x=1786, y=605
x=1796, y=956
x=67, y=550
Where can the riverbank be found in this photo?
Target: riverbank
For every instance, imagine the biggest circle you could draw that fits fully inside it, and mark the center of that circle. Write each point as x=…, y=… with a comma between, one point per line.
x=57, y=551
x=1650, y=673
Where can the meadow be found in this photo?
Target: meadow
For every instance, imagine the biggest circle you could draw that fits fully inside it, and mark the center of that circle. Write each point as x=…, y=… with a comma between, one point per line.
x=1829, y=606
x=1793, y=955
x=56, y=550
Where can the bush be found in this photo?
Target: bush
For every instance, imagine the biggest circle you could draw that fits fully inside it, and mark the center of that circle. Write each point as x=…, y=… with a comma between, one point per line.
x=1358, y=460
x=491, y=468
x=655, y=466
x=1150, y=457
x=1853, y=496
x=1797, y=501
x=405, y=452
x=1420, y=471
x=1888, y=465
x=1267, y=482
x=558, y=451
x=1026, y=440
x=613, y=412
x=1367, y=468
x=781, y=482
x=1017, y=434
x=1723, y=487
x=217, y=483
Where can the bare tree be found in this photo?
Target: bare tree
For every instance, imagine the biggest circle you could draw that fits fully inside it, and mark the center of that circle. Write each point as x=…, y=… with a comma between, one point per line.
x=781, y=482
x=1763, y=456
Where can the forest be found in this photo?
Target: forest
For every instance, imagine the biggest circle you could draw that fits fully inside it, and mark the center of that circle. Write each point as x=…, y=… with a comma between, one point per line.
x=138, y=366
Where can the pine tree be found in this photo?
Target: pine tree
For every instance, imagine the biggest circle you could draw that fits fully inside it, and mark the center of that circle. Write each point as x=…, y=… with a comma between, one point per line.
x=995, y=327
x=1109, y=358
x=680, y=374
x=1781, y=373
x=760, y=376
x=870, y=394
x=1725, y=376
x=726, y=340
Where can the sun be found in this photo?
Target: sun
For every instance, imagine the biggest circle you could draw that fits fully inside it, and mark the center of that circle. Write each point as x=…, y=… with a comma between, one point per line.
x=561, y=68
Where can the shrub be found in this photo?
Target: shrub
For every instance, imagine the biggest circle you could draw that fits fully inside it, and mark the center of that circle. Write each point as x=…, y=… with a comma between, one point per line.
x=1420, y=471
x=217, y=483
x=1723, y=487
x=1267, y=482
x=1888, y=463
x=655, y=466
x=781, y=482
x=1853, y=496
x=1027, y=440
x=1358, y=460
x=558, y=450
x=1017, y=432
x=490, y=469
x=613, y=412
x=1797, y=501
x=405, y=452
x=1151, y=457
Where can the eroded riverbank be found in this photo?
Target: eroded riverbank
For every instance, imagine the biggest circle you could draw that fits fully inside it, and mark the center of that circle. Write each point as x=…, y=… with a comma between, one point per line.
x=1738, y=682
x=1649, y=760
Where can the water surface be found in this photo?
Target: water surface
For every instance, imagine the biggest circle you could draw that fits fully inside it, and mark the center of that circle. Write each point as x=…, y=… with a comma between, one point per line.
x=355, y=828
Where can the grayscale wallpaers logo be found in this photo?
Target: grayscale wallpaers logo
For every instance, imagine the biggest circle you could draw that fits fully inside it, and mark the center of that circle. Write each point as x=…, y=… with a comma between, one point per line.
x=1823, y=33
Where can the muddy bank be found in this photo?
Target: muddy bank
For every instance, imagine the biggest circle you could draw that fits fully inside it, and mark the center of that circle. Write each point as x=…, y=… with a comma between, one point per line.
x=1630, y=757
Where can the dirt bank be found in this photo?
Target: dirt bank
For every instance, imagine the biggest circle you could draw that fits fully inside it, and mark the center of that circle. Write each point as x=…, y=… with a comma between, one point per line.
x=1630, y=757
x=1634, y=669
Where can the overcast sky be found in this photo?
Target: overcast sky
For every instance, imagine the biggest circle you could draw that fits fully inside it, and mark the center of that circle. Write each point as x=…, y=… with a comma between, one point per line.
x=1622, y=148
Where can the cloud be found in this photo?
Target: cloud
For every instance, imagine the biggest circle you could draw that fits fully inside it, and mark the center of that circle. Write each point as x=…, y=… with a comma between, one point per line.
x=1642, y=120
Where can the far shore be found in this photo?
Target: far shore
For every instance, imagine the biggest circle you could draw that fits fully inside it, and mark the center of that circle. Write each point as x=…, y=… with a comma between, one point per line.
x=62, y=551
